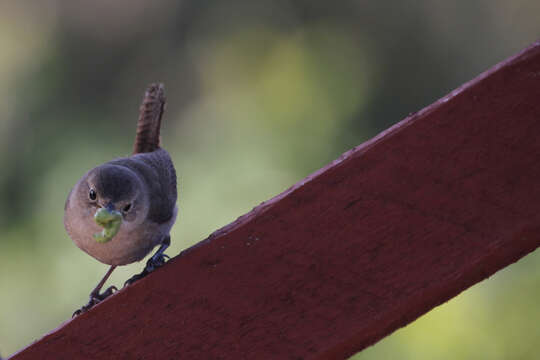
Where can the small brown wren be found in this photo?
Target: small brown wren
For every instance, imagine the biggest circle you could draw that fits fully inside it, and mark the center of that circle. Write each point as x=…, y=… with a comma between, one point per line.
x=119, y=211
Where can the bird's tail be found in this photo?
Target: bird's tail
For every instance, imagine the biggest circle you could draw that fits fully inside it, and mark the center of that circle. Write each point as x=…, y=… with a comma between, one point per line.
x=150, y=112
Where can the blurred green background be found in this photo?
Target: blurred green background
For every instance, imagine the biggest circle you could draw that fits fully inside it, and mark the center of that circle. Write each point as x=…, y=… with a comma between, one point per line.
x=260, y=94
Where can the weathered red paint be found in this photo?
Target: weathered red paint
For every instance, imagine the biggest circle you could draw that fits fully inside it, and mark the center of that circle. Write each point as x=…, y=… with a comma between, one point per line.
x=362, y=247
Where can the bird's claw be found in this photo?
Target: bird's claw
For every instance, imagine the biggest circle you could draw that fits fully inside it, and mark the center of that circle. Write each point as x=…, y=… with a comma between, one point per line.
x=156, y=261
x=100, y=297
x=95, y=298
x=136, y=277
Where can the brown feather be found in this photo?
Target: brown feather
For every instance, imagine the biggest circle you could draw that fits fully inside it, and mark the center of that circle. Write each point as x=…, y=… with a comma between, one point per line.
x=150, y=113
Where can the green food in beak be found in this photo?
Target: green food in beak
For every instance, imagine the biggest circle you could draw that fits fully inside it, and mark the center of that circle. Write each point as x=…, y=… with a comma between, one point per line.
x=110, y=221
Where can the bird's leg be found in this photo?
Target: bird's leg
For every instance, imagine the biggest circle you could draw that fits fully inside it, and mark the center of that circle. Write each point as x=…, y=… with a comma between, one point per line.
x=95, y=296
x=157, y=260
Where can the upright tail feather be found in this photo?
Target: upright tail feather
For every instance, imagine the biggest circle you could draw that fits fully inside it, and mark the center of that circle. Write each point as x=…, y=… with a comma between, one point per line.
x=150, y=112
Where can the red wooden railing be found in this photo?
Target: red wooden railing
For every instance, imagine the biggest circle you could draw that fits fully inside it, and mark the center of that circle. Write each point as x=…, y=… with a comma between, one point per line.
x=362, y=247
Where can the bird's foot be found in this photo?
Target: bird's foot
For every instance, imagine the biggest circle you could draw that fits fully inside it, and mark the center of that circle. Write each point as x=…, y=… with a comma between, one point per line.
x=156, y=261
x=95, y=298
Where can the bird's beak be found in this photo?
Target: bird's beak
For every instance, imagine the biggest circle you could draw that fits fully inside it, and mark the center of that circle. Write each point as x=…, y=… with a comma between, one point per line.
x=110, y=220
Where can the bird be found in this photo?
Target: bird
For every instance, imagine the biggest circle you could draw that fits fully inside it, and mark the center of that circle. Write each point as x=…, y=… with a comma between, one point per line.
x=118, y=212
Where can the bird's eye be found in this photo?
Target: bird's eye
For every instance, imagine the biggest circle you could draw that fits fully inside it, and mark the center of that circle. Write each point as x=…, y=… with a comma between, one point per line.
x=127, y=207
x=92, y=194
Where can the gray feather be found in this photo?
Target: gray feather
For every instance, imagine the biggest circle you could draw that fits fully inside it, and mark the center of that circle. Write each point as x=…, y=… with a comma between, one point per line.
x=156, y=170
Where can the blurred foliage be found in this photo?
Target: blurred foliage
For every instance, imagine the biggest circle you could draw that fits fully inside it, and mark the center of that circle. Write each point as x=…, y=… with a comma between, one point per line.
x=260, y=95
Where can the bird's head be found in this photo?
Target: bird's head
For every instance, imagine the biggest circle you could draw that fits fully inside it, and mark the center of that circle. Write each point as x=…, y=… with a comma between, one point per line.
x=109, y=195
